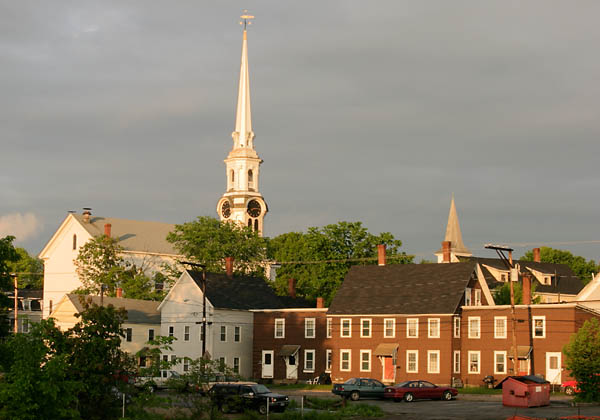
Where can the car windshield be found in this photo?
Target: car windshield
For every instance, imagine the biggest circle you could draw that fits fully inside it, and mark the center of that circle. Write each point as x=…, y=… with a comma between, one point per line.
x=260, y=389
x=402, y=384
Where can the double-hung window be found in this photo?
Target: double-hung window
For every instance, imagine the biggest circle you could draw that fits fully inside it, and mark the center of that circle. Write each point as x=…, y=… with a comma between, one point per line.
x=433, y=361
x=499, y=327
x=456, y=327
x=499, y=362
x=539, y=327
x=150, y=334
x=345, y=356
x=309, y=328
x=456, y=361
x=474, y=327
x=412, y=361
x=365, y=327
x=279, y=327
x=223, y=333
x=412, y=327
x=474, y=362
x=171, y=331
x=346, y=327
x=328, y=360
x=329, y=327
x=236, y=365
x=389, y=327
x=434, y=328
x=186, y=333
x=237, y=333
x=468, y=296
x=477, y=297
x=365, y=360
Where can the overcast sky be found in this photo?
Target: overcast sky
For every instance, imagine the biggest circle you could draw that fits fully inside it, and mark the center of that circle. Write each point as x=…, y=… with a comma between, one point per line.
x=370, y=111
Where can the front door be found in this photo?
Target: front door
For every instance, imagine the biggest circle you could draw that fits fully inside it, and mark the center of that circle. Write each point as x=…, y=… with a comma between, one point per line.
x=291, y=367
x=267, y=363
x=553, y=367
x=388, y=369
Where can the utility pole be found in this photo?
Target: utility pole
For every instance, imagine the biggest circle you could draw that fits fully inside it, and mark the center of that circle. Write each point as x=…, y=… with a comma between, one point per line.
x=203, y=286
x=509, y=264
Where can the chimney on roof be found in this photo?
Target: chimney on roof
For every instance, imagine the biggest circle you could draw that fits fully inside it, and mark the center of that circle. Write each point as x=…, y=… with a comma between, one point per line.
x=229, y=266
x=107, y=227
x=446, y=245
x=526, y=289
x=381, y=254
x=119, y=292
x=87, y=212
x=320, y=303
x=536, y=255
x=292, y=287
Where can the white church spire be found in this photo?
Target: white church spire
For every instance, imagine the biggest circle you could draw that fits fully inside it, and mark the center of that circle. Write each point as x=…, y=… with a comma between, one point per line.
x=243, y=135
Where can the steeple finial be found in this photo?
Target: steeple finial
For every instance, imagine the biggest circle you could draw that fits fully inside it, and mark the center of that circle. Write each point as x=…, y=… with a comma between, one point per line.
x=246, y=19
x=243, y=135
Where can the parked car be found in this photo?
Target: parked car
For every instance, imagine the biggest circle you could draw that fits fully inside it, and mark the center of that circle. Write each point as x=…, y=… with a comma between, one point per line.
x=413, y=390
x=230, y=397
x=357, y=388
x=168, y=378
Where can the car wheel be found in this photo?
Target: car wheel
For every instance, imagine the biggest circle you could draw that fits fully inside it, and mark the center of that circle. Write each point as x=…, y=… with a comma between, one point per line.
x=569, y=390
x=408, y=397
x=262, y=409
x=447, y=396
x=354, y=396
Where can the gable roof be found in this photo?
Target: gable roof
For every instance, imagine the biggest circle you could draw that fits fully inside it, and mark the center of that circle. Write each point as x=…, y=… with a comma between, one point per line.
x=403, y=289
x=138, y=311
x=568, y=282
x=237, y=292
x=133, y=235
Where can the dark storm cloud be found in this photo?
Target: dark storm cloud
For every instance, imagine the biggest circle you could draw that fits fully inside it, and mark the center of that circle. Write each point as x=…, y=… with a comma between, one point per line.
x=371, y=112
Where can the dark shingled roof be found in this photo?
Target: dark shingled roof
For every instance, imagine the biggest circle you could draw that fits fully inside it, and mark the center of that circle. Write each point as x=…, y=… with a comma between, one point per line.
x=568, y=282
x=402, y=289
x=237, y=292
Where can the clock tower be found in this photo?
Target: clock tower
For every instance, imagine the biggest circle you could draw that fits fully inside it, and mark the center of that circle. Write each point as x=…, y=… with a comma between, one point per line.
x=242, y=202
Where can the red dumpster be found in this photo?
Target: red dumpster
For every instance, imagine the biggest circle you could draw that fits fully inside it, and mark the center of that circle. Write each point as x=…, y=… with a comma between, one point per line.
x=525, y=391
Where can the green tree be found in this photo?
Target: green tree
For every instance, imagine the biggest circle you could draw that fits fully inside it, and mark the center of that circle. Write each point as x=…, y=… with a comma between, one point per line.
x=29, y=269
x=582, y=268
x=100, y=262
x=583, y=360
x=8, y=256
x=320, y=258
x=209, y=241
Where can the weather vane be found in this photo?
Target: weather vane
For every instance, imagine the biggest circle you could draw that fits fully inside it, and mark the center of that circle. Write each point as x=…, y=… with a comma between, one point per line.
x=246, y=19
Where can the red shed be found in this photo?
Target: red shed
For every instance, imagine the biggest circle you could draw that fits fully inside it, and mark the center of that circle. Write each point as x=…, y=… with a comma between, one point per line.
x=525, y=391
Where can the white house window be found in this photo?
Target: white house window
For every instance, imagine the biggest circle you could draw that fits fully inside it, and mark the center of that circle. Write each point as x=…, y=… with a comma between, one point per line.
x=309, y=361
x=456, y=361
x=412, y=327
x=365, y=327
x=474, y=361
x=237, y=333
x=128, y=334
x=346, y=330
x=309, y=328
x=499, y=362
x=345, y=360
x=186, y=364
x=186, y=333
x=389, y=328
x=474, y=327
x=539, y=327
x=150, y=334
x=365, y=360
x=236, y=365
x=468, y=296
x=223, y=335
x=171, y=331
x=433, y=361
x=434, y=327
x=477, y=297
x=279, y=327
x=412, y=361
x=456, y=327
x=329, y=327
x=499, y=327
x=328, y=360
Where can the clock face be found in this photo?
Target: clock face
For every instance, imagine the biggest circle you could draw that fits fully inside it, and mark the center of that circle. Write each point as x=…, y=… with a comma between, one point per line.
x=226, y=209
x=254, y=208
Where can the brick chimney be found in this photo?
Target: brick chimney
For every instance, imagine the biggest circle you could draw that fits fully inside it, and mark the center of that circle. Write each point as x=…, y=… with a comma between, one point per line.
x=229, y=266
x=292, y=287
x=119, y=291
x=107, y=227
x=446, y=245
x=320, y=303
x=87, y=212
x=526, y=289
x=536, y=255
x=381, y=254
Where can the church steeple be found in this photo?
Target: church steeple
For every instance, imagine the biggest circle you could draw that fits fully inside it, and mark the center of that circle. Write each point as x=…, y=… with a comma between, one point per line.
x=454, y=236
x=243, y=203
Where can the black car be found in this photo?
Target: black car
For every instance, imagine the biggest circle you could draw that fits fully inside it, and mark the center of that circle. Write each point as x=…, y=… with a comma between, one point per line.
x=241, y=396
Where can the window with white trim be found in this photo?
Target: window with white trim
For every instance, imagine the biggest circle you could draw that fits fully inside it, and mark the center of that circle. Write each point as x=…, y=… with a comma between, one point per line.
x=236, y=365
x=389, y=327
x=499, y=327
x=279, y=327
x=365, y=327
x=539, y=327
x=171, y=331
x=456, y=327
x=309, y=361
x=150, y=334
x=433, y=361
x=186, y=333
x=456, y=361
x=412, y=361
x=309, y=328
x=468, y=296
x=186, y=364
x=345, y=356
x=499, y=362
x=477, y=297
x=223, y=333
x=128, y=334
x=329, y=327
x=434, y=327
x=474, y=327
x=346, y=327
x=474, y=358
x=328, y=360
x=237, y=333
x=365, y=360
x=412, y=327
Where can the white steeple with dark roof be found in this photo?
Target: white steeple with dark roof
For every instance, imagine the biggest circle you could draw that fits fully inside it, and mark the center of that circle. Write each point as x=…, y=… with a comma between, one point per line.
x=242, y=202
x=454, y=236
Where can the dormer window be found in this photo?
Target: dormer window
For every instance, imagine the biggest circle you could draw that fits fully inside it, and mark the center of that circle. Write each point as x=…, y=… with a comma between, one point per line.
x=504, y=277
x=548, y=280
